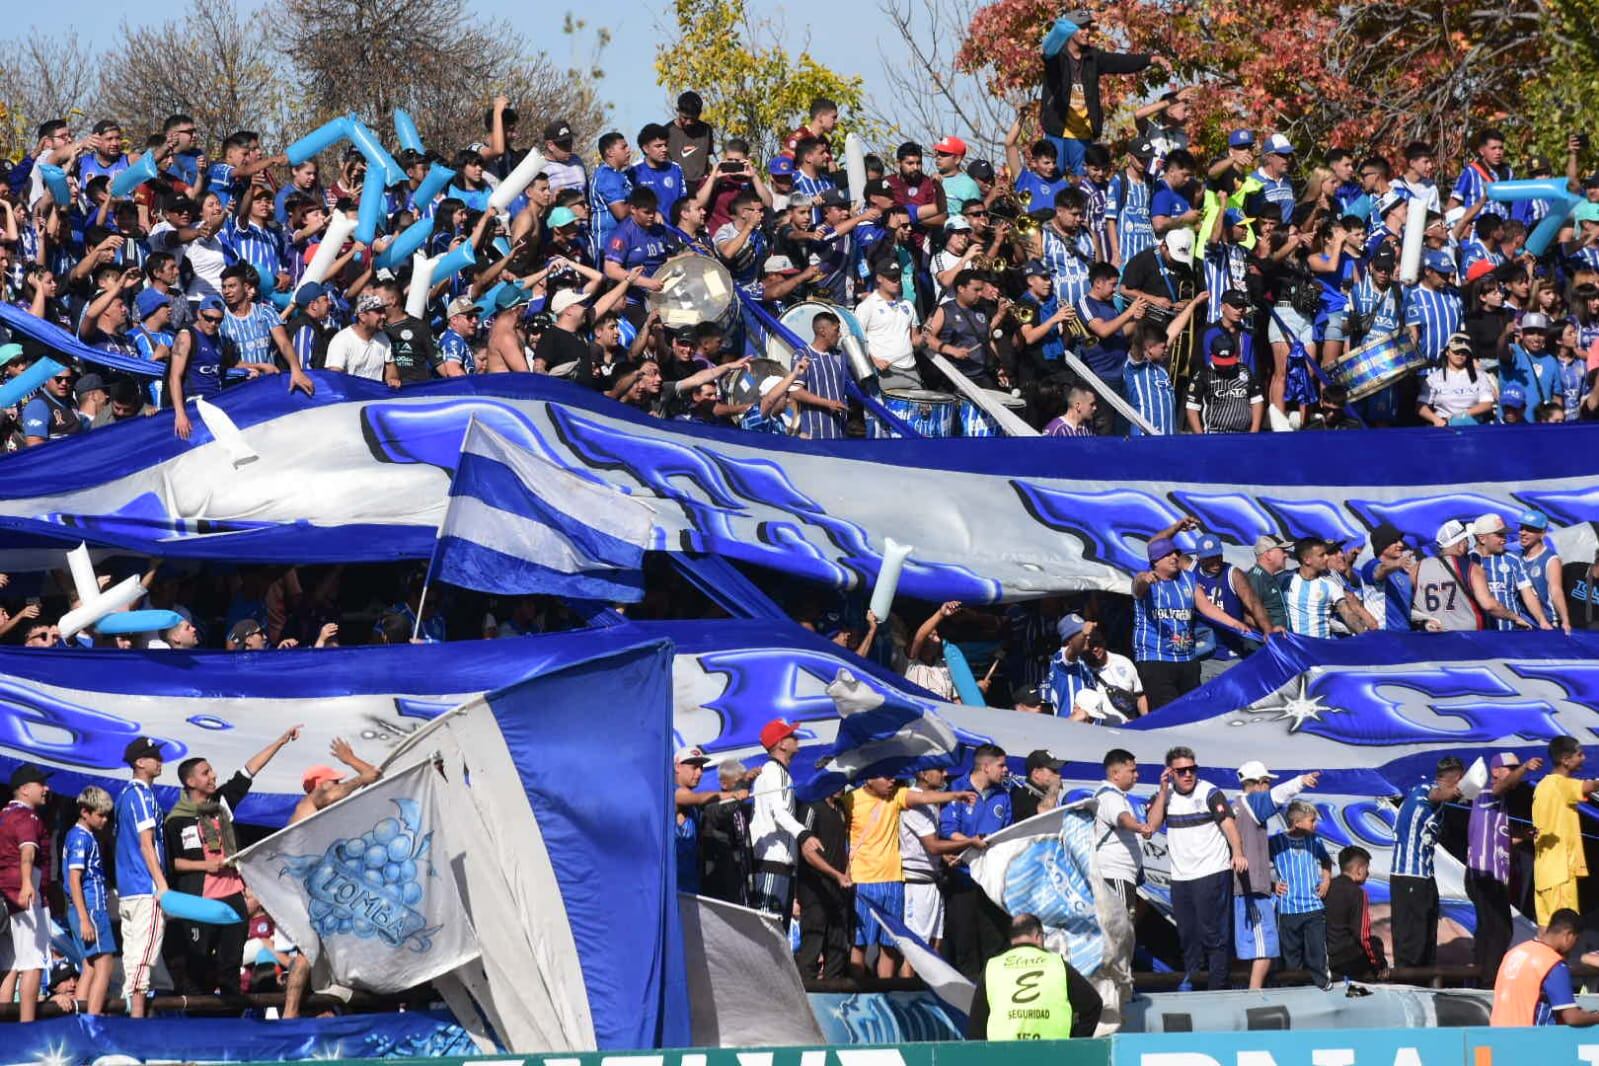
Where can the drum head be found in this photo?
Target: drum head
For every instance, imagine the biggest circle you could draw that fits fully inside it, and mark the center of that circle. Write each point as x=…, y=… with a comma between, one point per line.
x=695, y=288
x=1005, y=399
x=927, y=396
x=798, y=319
x=746, y=385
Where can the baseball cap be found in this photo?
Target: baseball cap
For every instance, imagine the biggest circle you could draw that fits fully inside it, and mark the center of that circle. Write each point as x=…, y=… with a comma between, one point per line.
x=692, y=755
x=1504, y=760
x=1384, y=537
x=877, y=187
x=1035, y=267
x=1234, y=217
x=369, y=301
x=561, y=216
x=1277, y=144
x=29, y=774
x=1029, y=694
x=410, y=157
x=950, y=146
x=512, y=296
x=242, y=630
x=212, y=303
x=772, y=381
x=957, y=224
x=318, y=775
x=1481, y=268
x=1586, y=212
x=1180, y=243
x=1391, y=199
x=690, y=104
x=780, y=165
x=311, y=290
x=1160, y=547
x=1458, y=342
x=1186, y=543
x=1383, y=258
x=1513, y=396
x=1533, y=519
x=1266, y=542
x=980, y=170
x=1209, y=547
x=1240, y=138
x=1223, y=350
x=1043, y=758
x=461, y=305
x=1142, y=149
x=779, y=264
x=1069, y=626
x=1235, y=298
x=1255, y=770
x=148, y=302
x=776, y=731
x=1536, y=320
x=140, y=748
x=1442, y=262
x=1451, y=533
x=558, y=131
x=834, y=198
x=566, y=298
x=87, y=384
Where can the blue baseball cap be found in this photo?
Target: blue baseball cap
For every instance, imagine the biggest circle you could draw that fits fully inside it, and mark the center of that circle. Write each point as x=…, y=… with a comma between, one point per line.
x=780, y=165
x=1160, y=547
x=148, y=302
x=1234, y=217
x=1209, y=547
x=1512, y=396
x=1241, y=138
x=311, y=290
x=1035, y=266
x=1069, y=626
x=212, y=303
x=561, y=216
x=1533, y=520
x=1440, y=261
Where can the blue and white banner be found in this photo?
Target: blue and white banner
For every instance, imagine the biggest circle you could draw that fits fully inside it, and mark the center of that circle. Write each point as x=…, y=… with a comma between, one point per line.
x=518, y=524
x=947, y=983
x=366, y=884
x=994, y=519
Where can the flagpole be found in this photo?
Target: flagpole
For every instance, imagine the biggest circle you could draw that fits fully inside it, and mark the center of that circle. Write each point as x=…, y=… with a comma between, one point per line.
x=438, y=536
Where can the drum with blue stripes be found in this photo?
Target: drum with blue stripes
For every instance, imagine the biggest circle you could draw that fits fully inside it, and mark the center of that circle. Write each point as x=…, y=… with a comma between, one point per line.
x=1372, y=367
x=975, y=422
x=932, y=414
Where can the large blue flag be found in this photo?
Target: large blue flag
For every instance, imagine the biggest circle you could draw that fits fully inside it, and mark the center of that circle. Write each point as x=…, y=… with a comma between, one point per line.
x=518, y=524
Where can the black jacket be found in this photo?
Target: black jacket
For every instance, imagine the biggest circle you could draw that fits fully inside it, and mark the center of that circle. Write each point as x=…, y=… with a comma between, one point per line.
x=1058, y=85
x=1352, y=948
x=183, y=835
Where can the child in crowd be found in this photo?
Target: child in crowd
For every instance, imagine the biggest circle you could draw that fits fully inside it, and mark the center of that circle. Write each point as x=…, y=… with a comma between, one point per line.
x=1352, y=949
x=88, y=913
x=1304, y=870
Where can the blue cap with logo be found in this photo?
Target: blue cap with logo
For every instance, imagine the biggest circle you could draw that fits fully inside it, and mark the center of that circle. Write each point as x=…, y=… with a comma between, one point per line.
x=1241, y=138
x=1159, y=548
x=1512, y=396
x=1209, y=547
x=1069, y=626
x=149, y=301
x=1533, y=519
x=1441, y=261
x=780, y=165
x=212, y=303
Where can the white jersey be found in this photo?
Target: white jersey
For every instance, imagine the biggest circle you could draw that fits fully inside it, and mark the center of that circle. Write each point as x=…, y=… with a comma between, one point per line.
x=1119, y=852
x=1310, y=604
x=1197, y=846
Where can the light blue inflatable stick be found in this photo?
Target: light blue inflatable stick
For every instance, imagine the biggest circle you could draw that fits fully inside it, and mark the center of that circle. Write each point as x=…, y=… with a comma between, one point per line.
x=55, y=179
x=461, y=257
x=318, y=141
x=438, y=177
x=28, y=381
x=122, y=622
x=376, y=155
x=134, y=176
x=1562, y=202
x=405, y=131
x=198, y=909
x=960, y=673
x=412, y=237
x=370, y=211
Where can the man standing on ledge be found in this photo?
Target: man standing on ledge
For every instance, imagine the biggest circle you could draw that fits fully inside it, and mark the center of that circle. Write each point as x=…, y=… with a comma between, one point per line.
x=1030, y=993
x=1069, y=109
x=141, y=872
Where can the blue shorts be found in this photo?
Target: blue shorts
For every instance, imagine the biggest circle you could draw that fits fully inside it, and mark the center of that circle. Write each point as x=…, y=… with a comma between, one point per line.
x=105, y=941
x=1255, y=926
x=890, y=899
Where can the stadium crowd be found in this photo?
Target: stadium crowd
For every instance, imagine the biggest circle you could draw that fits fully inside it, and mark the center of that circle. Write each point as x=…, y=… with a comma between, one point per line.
x=1091, y=287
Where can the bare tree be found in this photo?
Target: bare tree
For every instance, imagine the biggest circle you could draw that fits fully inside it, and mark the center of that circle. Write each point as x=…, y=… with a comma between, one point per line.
x=928, y=97
x=214, y=64
x=42, y=77
x=430, y=57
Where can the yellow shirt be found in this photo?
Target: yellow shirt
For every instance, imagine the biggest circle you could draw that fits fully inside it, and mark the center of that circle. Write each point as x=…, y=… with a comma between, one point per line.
x=874, y=836
x=1076, y=124
x=1557, y=849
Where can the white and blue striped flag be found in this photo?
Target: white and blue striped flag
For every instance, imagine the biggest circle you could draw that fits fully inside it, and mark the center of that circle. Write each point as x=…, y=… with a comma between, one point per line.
x=517, y=523
x=946, y=982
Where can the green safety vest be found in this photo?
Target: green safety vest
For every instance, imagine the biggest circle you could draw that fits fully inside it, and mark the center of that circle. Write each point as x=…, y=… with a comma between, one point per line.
x=1027, y=995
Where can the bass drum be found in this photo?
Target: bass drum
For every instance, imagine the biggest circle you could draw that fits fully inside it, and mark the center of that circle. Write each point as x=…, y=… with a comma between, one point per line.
x=798, y=320
x=1373, y=367
x=694, y=288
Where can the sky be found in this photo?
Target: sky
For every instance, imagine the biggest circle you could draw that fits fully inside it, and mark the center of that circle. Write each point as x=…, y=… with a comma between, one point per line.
x=843, y=34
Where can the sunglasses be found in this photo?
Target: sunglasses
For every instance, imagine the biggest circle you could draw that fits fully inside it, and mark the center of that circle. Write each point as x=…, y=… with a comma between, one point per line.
x=65, y=379
x=1185, y=770
x=211, y=318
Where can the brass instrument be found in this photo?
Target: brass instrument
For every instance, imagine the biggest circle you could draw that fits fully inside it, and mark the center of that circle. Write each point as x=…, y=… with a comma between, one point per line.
x=1024, y=314
x=1078, y=328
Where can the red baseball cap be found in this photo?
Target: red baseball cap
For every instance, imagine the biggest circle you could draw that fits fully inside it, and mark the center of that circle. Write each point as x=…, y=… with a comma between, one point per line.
x=315, y=776
x=775, y=731
x=1478, y=269
x=951, y=146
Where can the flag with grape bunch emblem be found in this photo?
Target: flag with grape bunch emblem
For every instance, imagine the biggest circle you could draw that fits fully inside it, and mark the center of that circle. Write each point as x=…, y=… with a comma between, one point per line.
x=357, y=883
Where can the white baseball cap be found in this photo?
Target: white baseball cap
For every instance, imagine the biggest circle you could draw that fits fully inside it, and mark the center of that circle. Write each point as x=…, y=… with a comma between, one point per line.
x=695, y=756
x=1452, y=532
x=1091, y=702
x=1277, y=144
x=1180, y=243
x=566, y=298
x=1488, y=523
x=1255, y=770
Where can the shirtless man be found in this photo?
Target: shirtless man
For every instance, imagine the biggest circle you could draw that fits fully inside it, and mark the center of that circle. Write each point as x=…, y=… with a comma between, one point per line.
x=325, y=785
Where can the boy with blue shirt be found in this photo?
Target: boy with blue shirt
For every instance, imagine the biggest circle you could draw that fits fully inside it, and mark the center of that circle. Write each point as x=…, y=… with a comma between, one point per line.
x=1169, y=207
x=141, y=871
x=1304, y=871
x=608, y=192
x=655, y=171
x=1257, y=812
x=1433, y=311
x=1040, y=179
x=88, y=912
x=640, y=241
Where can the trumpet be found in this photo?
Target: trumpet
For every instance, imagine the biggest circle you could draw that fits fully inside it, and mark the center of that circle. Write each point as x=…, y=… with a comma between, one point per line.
x=1024, y=314
x=1076, y=327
